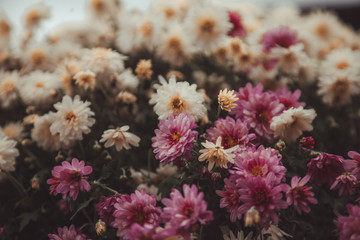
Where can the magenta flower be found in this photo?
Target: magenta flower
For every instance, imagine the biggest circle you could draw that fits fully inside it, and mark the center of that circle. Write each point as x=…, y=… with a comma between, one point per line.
x=237, y=29
x=230, y=199
x=174, y=138
x=281, y=36
x=183, y=212
x=263, y=195
x=307, y=143
x=66, y=233
x=289, y=99
x=259, y=162
x=353, y=165
x=70, y=178
x=231, y=132
x=348, y=227
x=141, y=232
x=345, y=183
x=139, y=207
x=325, y=168
x=105, y=208
x=300, y=195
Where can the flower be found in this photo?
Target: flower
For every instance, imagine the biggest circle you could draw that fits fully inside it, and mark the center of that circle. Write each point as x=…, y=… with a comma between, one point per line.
x=252, y=217
x=14, y=130
x=143, y=69
x=348, y=227
x=8, y=88
x=73, y=118
x=325, y=168
x=226, y=99
x=184, y=212
x=300, y=195
x=8, y=153
x=240, y=236
x=353, y=165
x=70, y=233
x=177, y=97
x=100, y=227
x=35, y=13
x=216, y=155
x=174, y=138
x=120, y=137
x=237, y=29
x=231, y=132
x=281, y=36
x=70, y=178
x=345, y=183
x=105, y=208
x=138, y=207
x=141, y=232
x=307, y=143
x=290, y=124
x=85, y=79
x=289, y=99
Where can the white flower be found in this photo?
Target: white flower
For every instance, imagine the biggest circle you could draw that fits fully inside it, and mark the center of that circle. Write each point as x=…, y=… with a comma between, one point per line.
x=341, y=60
x=85, y=79
x=73, y=119
x=176, y=97
x=14, y=130
x=42, y=136
x=120, y=137
x=126, y=80
x=291, y=123
x=8, y=153
x=8, y=88
x=35, y=13
x=216, y=155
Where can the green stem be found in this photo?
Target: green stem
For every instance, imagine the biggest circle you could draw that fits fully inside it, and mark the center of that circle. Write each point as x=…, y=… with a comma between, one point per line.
x=105, y=187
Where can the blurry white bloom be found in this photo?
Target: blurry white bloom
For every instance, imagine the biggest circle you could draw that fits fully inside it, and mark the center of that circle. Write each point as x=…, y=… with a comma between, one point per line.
x=14, y=130
x=37, y=56
x=40, y=88
x=177, y=97
x=35, y=13
x=8, y=88
x=8, y=153
x=120, y=137
x=85, y=79
x=5, y=27
x=291, y=123
x=126, y=80
x=341, y=60
x=73, y=119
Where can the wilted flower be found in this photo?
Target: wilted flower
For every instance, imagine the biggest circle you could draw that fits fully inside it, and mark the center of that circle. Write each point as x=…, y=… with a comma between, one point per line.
x=8, y=153
x=120, y=137
x=100, y=227
x=345, y=183
x=105, y=208
x=252, y=217
x=143, y=69
x=307, y=143
x=66, y=233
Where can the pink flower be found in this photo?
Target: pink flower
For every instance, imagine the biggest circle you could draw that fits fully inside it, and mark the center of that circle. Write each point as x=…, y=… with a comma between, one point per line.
x=325, y=168
x=70, y=178
x=263, y=195
x=105, y=208
x=281, y=36
x=348, y=227
x=307, y=143
x=139, y=207
x=353, y=165
x=345, y=183
x=141, y=232
x=231, y=132
x=237, y=29
x=289, y=99
x=66, y=233
x=259, y=162
x=183, y=212
x=174, y=138
x=300, y=195
x=63, y=206
x=230, y=199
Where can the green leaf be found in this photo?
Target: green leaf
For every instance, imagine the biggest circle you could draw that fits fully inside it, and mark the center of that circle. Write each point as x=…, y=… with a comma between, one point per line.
x=26, y=218
x=82, y=206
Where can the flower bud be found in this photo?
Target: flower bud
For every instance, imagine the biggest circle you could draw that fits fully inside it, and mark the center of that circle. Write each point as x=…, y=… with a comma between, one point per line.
x=252, y=217
x=100, y=227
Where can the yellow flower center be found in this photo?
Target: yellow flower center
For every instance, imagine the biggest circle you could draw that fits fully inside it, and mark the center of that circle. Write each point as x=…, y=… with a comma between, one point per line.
x=342, y=65
x=256, y=171
x=177, y=105
x=8, y=86
x=207, y=25
x=70, y=117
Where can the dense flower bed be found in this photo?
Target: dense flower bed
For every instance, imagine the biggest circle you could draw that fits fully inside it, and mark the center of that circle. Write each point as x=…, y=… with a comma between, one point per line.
x=191, y=120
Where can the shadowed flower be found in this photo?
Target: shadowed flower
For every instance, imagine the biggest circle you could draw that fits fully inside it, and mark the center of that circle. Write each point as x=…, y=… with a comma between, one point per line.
x=237, y=29
x=105, y=208
x=281, y=36
x=289, y=99
x=348, y=227
x=8, y=153
x=226, y=99
x=345, y=183
x=70, y=233
x=307, y=143
x=120, y=137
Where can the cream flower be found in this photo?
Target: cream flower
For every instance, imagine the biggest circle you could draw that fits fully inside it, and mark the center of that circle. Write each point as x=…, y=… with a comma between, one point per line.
x=73, y=119
x=8, y=88
x=177, y=97
x=290, y=124
x=120, y=137
x=85, y=79
x=227, y=99
x=14, y=130
x=8, y=153
x=216, y=155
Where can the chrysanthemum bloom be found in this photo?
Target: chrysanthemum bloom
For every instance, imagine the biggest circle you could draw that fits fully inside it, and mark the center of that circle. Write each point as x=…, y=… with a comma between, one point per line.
x=143, y=69
x=281, y=36
x=14, y=130
x=66, y=233
x=174, y=138
x=232, y=132
x=325, y=168
x=348, y=227
x=345, y=183
x=120, y=137
x=226, y=99
x=126, y=97
x=237, y=29
x=8, y=88
x=8, y=153
x=263, y=195
x=70, y=178
x=183, y=212
x=230, y=199
x=85, y=79
x=259, y=162
x=353, y=165
x=73, y=119
x=291, y=123
x=307, y=143
x=141, y=232
x=300, y=195
x=105, y=208
x=34, y=14
x=243, y=95
x=289, y=99
x=138, y=207
x=216, y=155
x=177, y=97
